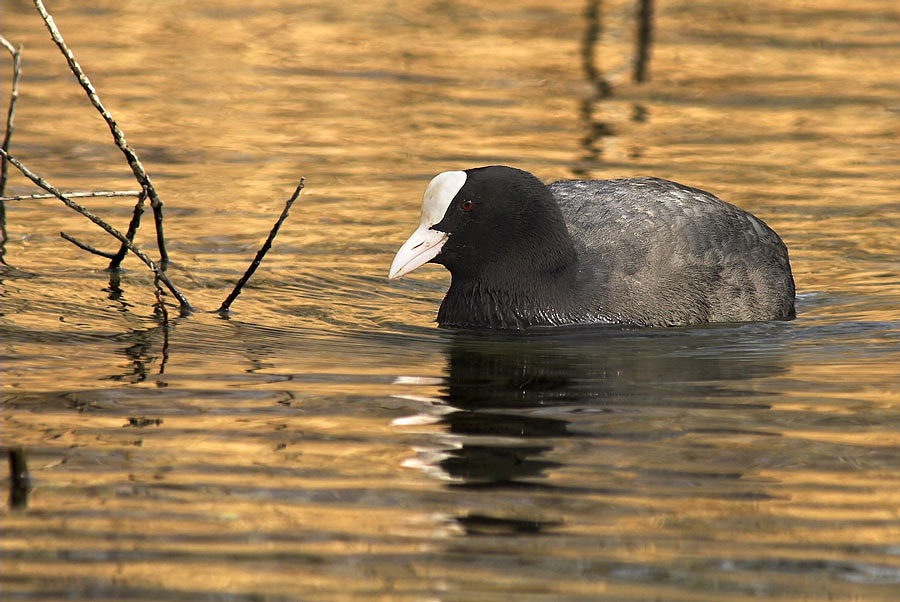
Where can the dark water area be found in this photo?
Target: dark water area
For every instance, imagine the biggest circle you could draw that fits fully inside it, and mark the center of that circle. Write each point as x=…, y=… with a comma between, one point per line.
x=327, y=441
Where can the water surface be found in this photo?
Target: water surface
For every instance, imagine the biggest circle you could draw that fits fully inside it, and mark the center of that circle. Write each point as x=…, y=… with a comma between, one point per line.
x=327, y=441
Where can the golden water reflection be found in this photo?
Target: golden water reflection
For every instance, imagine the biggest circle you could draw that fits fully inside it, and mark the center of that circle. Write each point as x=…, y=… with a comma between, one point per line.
x=327, y=441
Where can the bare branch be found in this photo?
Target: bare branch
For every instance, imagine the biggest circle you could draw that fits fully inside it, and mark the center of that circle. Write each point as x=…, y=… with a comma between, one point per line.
x=223, y=309
x=116, y=259
x=185, y=306
x=11, y=110
x=136, y=166
x=72, y=195
x=9, y=47
x=85, y=246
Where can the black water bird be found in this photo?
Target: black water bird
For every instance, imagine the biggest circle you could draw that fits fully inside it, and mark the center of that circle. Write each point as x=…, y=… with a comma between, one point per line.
x=638, y=251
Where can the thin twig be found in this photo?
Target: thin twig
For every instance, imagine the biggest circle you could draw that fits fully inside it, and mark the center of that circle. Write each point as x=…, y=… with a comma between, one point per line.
x=223, y=309
x=86, y=246
x=11, y=110
x=136, y=167
x=5, y=43
x=116, y=259
x=72, y=195
x=185, y=306
x=16, y=53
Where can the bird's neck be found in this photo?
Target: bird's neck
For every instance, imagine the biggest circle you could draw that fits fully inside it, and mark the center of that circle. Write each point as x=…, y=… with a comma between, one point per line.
x=521, y=296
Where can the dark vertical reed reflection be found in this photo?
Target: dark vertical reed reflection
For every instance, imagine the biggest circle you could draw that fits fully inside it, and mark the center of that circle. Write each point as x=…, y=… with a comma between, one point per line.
x=596, y=128
x=589, y=63
x=19, y=481
x=639, y=73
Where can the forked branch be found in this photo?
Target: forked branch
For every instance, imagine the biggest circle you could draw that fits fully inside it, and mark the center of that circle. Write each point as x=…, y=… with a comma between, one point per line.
x=185, y=306
x=147, y=190
x=136, y=166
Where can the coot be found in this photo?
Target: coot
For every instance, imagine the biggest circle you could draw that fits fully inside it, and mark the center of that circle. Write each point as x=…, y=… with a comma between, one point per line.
x=637, y=251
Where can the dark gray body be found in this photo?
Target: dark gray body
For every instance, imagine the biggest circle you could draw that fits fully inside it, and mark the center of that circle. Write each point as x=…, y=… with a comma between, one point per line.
x=656, y=253
x=639, y=251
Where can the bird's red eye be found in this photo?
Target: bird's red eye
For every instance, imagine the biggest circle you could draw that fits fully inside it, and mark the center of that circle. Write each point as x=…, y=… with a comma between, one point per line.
x=466, y=205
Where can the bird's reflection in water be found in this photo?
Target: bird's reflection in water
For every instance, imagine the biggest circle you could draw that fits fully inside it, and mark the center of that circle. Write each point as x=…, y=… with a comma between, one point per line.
x=506, y=401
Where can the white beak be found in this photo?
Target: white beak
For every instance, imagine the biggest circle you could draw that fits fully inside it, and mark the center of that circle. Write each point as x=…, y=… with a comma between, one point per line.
x=425, y=243
x=420, y=248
